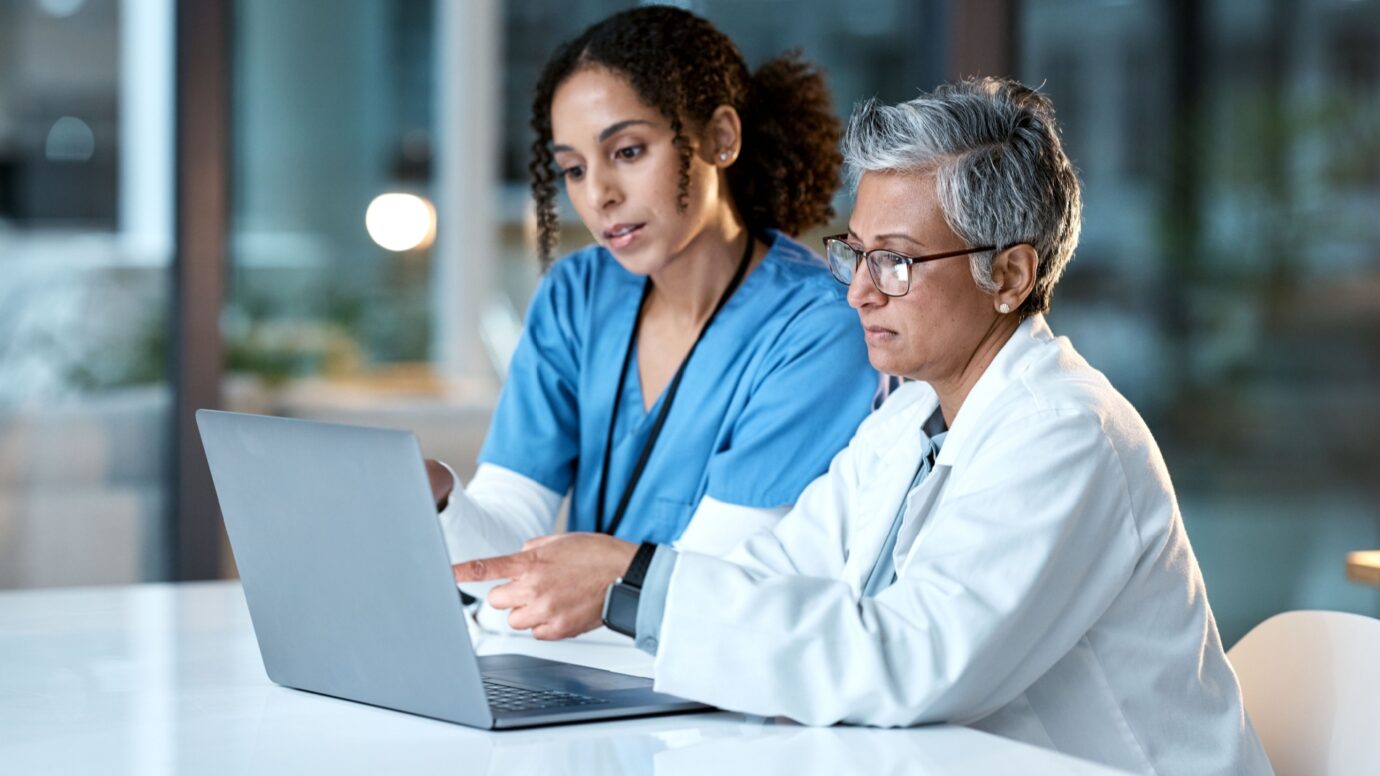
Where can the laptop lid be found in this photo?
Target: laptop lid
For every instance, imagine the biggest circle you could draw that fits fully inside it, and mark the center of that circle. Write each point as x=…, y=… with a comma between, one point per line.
x=343, y=564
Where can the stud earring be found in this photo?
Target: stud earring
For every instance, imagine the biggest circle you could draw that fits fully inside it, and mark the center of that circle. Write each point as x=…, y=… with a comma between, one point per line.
x=723, y=156
x=1004, y=308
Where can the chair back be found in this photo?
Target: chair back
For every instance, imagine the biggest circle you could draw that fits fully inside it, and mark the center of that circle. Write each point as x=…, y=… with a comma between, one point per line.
x=1311, y=682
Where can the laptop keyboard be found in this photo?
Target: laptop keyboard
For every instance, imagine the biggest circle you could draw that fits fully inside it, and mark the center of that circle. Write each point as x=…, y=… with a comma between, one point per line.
x=506, y=697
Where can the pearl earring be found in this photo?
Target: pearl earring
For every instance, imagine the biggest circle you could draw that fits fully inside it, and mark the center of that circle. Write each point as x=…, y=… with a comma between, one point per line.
x=1004, y=308
x=723, y=156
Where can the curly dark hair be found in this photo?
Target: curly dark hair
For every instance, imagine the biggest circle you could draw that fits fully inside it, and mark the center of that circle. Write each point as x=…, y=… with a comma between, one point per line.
x=788, y=167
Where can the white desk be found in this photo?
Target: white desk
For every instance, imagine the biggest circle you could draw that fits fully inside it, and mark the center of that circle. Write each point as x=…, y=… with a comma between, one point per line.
x=165, y=679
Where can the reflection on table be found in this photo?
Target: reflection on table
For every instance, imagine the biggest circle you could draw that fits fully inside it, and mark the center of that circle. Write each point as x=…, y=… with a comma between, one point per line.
x=164, y=679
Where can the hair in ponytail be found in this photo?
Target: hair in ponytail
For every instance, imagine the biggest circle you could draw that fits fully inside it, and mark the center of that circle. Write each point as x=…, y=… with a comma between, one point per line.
x=788, y=168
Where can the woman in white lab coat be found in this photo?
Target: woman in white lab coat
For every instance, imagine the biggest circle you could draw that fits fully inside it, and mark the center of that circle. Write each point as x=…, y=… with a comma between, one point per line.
x=999, y=545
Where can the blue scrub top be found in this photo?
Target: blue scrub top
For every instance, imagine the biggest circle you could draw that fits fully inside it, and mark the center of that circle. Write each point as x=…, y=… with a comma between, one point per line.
x=776, y=387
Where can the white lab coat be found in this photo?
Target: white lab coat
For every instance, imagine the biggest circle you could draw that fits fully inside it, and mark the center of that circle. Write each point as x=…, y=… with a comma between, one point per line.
x=1046, y=589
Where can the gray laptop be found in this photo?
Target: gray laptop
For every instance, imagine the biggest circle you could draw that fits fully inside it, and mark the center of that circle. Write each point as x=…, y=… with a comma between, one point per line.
x=350, y=589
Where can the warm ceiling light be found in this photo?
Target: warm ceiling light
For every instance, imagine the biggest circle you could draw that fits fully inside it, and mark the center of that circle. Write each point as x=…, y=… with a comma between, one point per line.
x=401, y=222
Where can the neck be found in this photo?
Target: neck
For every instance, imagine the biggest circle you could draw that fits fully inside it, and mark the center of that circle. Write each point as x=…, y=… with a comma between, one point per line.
x=688, y=287
x=954, y=389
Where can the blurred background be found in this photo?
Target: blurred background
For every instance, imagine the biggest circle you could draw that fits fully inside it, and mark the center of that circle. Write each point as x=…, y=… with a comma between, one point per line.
x=319, y=208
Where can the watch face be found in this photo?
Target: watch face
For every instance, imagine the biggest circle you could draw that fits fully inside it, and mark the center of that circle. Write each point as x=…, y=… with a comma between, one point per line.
x=620, y=611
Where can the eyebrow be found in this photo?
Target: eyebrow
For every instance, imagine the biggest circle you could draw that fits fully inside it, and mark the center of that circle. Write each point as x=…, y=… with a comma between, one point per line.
x=890, y=236
x=608, y=132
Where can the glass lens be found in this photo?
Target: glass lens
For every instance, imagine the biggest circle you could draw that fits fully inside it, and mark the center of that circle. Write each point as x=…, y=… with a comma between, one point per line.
x=842, y=259
x=890, y=272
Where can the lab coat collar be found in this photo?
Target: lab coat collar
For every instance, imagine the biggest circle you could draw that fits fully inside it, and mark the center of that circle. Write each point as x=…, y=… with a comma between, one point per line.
x=901, y=442
x=1007, y=366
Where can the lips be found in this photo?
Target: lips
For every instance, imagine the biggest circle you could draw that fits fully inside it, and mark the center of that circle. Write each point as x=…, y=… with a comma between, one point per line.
x=877, y=335
x=622, y=235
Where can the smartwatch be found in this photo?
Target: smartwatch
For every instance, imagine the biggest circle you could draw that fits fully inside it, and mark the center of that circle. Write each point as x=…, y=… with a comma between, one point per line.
x=623, y=596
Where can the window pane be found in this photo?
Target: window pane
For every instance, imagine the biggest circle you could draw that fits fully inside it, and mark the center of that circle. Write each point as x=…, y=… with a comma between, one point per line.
x=330, y=311
x=85, y=244
x=337, y=103
x=332, y=109
x=1227, y=276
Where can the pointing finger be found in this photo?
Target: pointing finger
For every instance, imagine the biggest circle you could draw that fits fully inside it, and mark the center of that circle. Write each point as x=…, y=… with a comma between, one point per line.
x=501, y=567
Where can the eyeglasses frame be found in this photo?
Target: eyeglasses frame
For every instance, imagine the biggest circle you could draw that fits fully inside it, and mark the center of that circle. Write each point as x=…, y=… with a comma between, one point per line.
x=910, y=261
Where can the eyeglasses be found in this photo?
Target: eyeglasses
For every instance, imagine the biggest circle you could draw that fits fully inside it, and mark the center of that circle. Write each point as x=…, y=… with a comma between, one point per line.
x=890, y=271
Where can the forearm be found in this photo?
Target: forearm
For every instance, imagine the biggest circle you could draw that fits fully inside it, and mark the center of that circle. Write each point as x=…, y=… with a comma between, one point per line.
x=984, y=606
x=848, y=660
x=496, y=513
x=717, y=528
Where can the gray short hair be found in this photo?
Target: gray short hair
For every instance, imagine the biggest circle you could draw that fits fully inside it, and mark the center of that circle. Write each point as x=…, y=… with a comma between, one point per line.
x=1000, y=169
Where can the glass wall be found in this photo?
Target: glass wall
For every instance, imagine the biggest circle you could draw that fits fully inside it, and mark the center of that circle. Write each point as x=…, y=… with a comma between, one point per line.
x=332, y=108
x=1228, y=279
x=85, y=245
x=329, y=313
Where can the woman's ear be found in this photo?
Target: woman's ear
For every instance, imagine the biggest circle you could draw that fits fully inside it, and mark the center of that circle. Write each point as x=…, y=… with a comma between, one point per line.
x=1013, y=270
x=723, y=137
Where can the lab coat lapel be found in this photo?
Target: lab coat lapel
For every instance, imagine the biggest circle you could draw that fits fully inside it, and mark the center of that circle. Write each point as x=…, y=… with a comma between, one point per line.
x=882, y=486
x=969, y=425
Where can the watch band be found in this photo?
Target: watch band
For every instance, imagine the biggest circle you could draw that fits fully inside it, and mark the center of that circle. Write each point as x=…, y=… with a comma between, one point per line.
x=637, y=570
x=623, y=597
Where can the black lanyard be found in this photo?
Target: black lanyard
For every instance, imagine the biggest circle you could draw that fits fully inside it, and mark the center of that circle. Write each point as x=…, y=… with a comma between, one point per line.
x=666, y=404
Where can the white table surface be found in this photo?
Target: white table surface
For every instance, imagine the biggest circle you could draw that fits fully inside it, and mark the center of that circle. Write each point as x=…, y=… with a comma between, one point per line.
x=164, y=679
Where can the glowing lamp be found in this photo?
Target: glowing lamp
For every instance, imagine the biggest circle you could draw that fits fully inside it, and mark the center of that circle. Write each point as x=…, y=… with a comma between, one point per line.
x=401, y=222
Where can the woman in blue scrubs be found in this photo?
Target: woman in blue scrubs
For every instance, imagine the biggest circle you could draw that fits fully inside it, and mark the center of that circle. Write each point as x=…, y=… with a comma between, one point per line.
x=685, y=377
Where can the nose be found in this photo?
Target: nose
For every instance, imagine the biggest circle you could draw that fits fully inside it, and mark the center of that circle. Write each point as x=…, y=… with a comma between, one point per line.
x=862, y=292
x=602, y=187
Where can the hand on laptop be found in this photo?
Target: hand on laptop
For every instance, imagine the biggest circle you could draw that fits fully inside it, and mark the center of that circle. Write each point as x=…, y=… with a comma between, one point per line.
x=558, y=582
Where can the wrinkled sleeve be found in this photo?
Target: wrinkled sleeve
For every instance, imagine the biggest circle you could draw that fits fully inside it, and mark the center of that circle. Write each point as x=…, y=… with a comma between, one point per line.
x=535, y=428
x=1014, y=567
x=717, y=528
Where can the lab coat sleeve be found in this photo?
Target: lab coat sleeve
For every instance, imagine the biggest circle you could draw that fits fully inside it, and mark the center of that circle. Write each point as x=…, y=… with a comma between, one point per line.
x=716, y=527
x=1026, y=550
